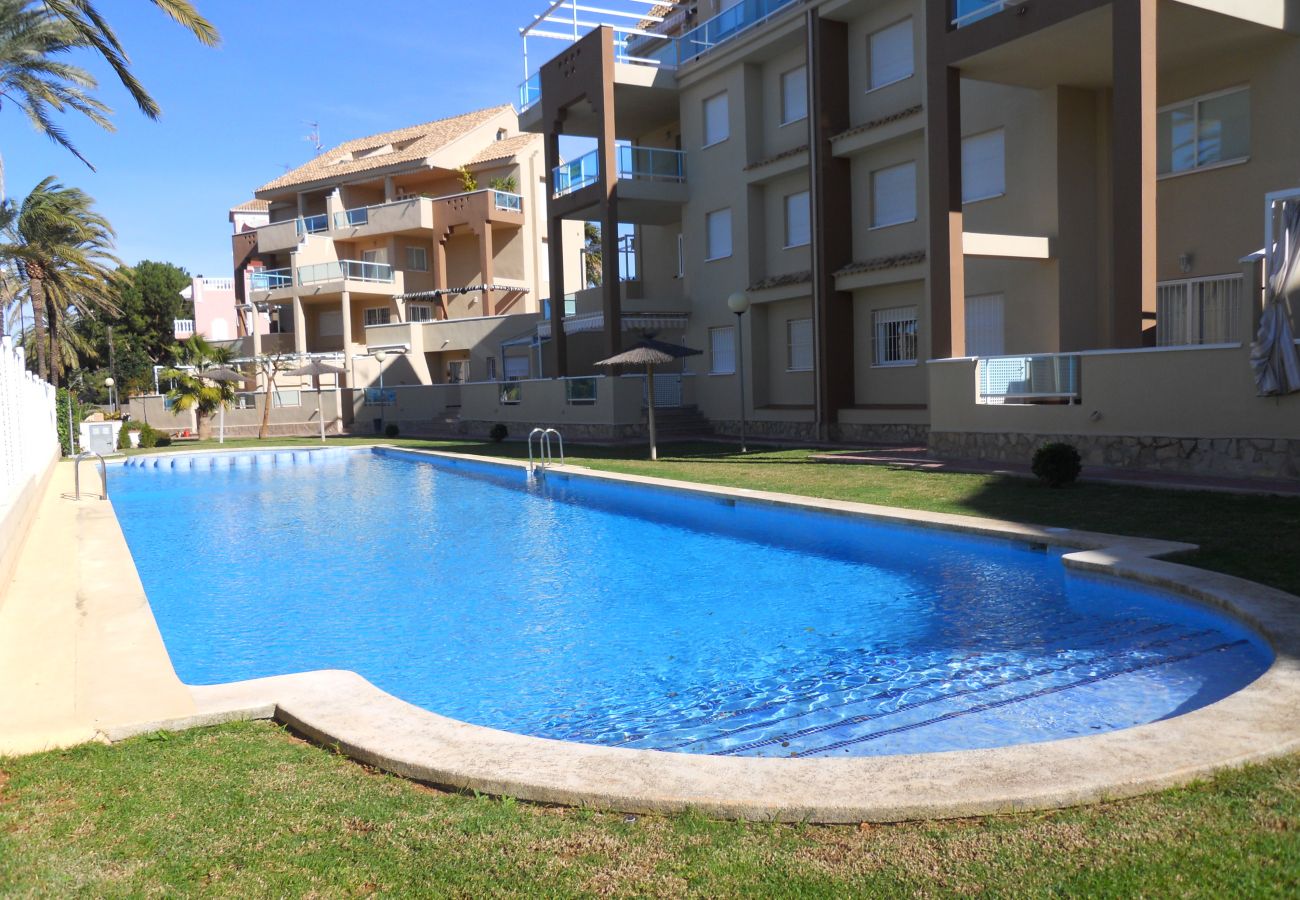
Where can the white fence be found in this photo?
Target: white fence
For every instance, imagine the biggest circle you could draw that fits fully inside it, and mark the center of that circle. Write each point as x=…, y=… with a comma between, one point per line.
x=28, y=437
x=1199, y=310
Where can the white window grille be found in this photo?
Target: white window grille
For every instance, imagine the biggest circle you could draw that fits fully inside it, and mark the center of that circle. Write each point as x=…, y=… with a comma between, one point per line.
x=377, y=315
x=890, y=54
x=794, y=95
x=894, y=336
x=419, y=312
x=717, y=233
x=1204, y=131
x=983, y=166
x=722, y=350
x=1199, y=311
x=717, y=119
x=799, y=345
x=985, y=325
x=797, y=224
x=893, y=195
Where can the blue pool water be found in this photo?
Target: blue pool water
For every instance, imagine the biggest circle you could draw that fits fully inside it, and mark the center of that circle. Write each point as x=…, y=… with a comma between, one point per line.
x=583, y=610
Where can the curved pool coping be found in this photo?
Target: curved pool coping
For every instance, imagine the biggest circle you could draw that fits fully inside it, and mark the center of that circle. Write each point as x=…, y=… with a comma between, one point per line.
x=1262, y=720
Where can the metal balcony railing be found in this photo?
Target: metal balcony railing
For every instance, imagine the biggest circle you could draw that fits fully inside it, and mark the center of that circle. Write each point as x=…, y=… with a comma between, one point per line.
x=270, y=279
x=345, y=270
x=726, y=25
x=505, y=200
x=313, y=224
x=530, y=91
x=634, y=164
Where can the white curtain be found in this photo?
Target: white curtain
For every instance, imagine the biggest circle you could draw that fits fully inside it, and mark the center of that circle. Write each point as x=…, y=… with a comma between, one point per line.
x=1273, y=355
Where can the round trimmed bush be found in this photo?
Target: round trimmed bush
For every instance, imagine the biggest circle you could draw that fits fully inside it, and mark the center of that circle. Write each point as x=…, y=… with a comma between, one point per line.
x=392, y=431
x=1057, y=464
x=498, y=432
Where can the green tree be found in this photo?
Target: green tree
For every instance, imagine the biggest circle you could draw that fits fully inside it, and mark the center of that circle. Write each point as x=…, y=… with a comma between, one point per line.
x=190, y=390
x=592, y=272
x=34, y=36
x=61, y=249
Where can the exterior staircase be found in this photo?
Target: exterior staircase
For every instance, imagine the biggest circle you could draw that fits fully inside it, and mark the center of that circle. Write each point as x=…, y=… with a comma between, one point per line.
x=681, y=423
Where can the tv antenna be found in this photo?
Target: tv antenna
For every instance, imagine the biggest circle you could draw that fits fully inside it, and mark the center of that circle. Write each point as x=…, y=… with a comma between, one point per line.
x=313, y=136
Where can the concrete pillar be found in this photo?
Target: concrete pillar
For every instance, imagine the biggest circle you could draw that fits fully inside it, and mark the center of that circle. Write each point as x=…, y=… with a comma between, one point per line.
x=439, y=272
x=257, y=333
x=946, y=259
x=611, y=288
x=389, y=193
x=347, y=335
x=299, y=326
x=485, y=252
x=555, y=247
x=1133, y=184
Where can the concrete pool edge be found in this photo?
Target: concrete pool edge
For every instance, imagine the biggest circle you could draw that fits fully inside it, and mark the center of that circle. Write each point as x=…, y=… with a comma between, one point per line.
x=342, y=710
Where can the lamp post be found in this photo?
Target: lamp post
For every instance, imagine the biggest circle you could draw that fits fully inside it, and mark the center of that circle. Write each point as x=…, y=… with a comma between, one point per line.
x=380, y=356
x=738, y=303
x=108, y=383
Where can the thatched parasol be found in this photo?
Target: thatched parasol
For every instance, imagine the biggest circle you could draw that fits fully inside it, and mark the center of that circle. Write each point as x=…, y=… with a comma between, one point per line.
x=650, y=353
x=316, y=368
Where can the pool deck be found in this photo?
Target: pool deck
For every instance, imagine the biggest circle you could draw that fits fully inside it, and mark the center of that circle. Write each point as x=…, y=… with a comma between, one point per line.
x=91, y=665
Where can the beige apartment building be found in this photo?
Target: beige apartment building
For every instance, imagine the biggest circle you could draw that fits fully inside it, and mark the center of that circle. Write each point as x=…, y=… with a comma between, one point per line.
x=378, y=254
x=977, y=224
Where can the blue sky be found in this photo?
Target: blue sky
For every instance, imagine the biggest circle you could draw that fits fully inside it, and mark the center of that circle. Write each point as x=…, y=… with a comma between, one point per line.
x=234, y=117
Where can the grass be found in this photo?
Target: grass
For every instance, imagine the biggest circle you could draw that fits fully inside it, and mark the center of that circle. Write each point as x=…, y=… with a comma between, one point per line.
x=247, y=809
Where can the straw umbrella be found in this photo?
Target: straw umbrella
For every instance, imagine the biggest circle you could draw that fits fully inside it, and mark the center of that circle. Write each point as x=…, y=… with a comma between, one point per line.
x=650, y=353
x=226, y=375
x=316, y=368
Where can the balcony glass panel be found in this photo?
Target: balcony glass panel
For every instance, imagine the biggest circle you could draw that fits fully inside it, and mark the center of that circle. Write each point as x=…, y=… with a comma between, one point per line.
x=575, y=175
x=726, y=25
x=349, y=269
x=634, y=164
x=270, y=279
x=313, y=224
x=508, y=201
x=352, y=218
x=529, y=92
x=964, y=12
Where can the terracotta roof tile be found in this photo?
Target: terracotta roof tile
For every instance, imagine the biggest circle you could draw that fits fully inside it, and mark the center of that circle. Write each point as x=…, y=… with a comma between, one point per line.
x=879, y=263
x=780, y=156
x=252, y=206
x=877, y=123
x=376, y=151
x=774, y=281
x=504, y=149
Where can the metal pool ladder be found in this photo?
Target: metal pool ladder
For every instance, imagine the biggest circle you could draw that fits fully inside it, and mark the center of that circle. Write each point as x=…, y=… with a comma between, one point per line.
x=76, y=471
x=544, y=457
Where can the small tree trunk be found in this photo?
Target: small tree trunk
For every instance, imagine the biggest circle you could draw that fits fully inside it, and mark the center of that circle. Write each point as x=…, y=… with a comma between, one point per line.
x=203, y=422
x=37, y=286
x=56, y=364
x=266, y=409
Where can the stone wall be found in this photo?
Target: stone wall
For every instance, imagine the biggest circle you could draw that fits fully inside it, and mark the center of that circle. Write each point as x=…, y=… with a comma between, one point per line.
x=1222, y=457
x=572, y=432
x=807, y=432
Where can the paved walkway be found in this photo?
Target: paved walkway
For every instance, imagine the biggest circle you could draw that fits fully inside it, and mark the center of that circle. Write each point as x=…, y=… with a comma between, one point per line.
x=919, y=458
x=80, y=653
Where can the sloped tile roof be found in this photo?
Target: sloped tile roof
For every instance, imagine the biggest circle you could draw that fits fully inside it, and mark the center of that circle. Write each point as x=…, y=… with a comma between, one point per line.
x=879, y=263
x=504, y=149
x=377, y=151
x=773, y=281
x=802, y=148
x=877, y=123
x=252, y=206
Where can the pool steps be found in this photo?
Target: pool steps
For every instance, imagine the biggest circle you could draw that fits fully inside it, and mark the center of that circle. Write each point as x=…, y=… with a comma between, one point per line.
x=228, y=460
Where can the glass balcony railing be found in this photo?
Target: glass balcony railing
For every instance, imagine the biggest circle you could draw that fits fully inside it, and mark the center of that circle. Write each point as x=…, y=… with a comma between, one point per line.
x=506, y=201
x=270, y=279
x=352, y=218
x=634, y=164
x=964, y=12
x=313, y=224
x=725, y=26
x=529, y=92
x=345, y=269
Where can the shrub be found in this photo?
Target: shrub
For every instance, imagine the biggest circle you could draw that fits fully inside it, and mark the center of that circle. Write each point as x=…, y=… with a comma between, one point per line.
x=1057, y=464
x=498, y=432
x=149, y=436
x=392, y=430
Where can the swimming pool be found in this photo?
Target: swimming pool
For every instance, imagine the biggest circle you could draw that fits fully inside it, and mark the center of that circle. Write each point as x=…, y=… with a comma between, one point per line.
x=697, y=624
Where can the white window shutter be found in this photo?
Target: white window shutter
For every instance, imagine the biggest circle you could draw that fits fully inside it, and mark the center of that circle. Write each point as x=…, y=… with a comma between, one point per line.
x=985, y=325
x=891, y=53
x=983, y=166
x=893, y=195
x=797, y=220
x=717, y=124
x=718, y=233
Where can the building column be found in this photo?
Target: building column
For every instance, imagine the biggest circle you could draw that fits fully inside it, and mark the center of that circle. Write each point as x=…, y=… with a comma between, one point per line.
x=299, y=326
x=439, y=272
x=346, y=312
x=606, y=143
x=485, y=264
x=1133, y=180
x=946, y=258
x=257, y=334
x=555, y=250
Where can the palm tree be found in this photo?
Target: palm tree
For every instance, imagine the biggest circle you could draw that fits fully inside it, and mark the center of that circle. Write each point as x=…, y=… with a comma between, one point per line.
x=61, y=248
x=190, y=390
x=32, y=77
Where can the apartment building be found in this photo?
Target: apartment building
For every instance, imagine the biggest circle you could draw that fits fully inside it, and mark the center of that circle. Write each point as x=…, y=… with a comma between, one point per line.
x=427, y=243
x=978, y=224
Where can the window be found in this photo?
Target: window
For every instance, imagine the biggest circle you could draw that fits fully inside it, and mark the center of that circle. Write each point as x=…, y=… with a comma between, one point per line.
x=1204, y=131
x=681, y=256
x=983, y=166
x=417, y=259
x=890, y=55
x=893, y=195
x=1199, y=310
x=798, y=345
x=794, y=95
x=377, y=315
x=516, y=368
x=893, y=336
x=717, y=120
x=331, y=324
x=722, y=351
x=796, y=220
x=419, y=312
x=984, y=326
x=286, y=398
x=491, y=368
x=377, y=255
x=717, y=233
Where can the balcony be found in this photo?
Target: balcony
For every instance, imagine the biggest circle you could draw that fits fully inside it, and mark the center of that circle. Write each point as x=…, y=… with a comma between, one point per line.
x=416, y=215
x=270, y=279
x=966, y=12
x=726, y=25
x=182, y=329
x=634, y=164
x=345, y=270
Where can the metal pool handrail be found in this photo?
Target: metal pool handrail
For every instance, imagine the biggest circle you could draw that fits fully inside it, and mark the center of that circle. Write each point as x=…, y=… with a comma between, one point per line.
x=76, y=471
x=544, y=456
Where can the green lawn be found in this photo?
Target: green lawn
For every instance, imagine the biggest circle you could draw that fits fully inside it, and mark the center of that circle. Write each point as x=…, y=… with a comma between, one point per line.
x=247, y=809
